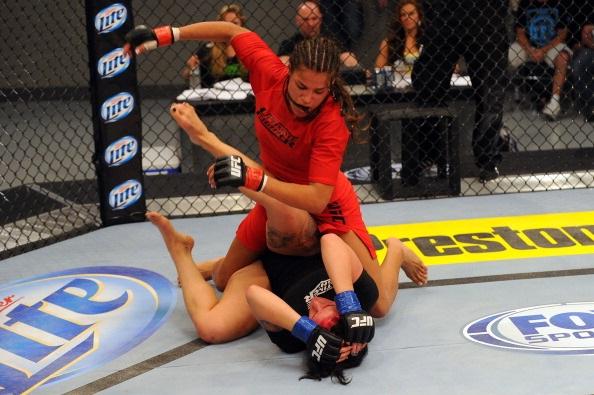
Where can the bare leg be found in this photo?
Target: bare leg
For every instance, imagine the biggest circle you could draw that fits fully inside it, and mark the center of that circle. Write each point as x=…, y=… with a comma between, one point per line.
x=413, y=267
x=216, y=321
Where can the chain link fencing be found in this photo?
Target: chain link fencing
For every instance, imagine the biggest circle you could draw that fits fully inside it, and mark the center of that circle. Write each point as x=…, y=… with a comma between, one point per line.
x=48, y=190
x=450, y=109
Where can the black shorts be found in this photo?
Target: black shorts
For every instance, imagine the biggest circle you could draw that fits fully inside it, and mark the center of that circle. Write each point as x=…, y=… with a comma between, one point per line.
x=297, y=280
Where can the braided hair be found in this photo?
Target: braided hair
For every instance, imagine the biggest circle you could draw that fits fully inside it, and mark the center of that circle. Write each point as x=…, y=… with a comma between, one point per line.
x=322, y=55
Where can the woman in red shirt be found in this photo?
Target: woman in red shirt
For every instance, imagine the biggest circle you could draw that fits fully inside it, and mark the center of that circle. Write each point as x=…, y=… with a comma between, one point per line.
x=301, y=121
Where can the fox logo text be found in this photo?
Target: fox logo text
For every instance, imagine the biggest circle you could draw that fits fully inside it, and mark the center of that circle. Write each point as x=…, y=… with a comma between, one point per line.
x=121, y=151
x=61, y=324
x=117, y=107
x=319, y=348
x=564, y=328
x=110, y=18
x=113, y=63
x=125, y=194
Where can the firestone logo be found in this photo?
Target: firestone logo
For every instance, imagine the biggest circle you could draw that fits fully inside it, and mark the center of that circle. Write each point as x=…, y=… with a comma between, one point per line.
x=564, y=328
x=57, y=325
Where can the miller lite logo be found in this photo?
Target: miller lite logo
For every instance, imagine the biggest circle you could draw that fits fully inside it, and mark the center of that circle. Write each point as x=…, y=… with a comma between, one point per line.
x=121, y=151
x=125, y=195
x=58, y=325
x=110, y=18
x=113, y=63
x=564, y=328
x=117, y=107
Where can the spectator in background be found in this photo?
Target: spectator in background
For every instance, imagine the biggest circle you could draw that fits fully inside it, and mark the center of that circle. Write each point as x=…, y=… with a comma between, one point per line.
x=476, y=31
x=213, y=62
x=309, y=22
x=404, y=39
x=582, y=64
x=541, y=33
x=343, y=21
x=401, y=48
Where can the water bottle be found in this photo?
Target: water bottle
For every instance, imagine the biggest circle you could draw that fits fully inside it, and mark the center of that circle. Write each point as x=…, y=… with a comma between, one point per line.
x=195, y=81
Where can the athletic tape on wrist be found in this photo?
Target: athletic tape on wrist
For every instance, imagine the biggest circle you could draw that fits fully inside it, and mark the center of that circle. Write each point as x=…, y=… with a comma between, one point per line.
x=164, y=35
x=263, y=183
x=303, y=328
x=347, y=302
x=175, y=31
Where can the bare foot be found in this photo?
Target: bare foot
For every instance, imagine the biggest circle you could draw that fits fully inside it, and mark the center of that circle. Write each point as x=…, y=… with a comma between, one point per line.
x=413, y=266
x=178, y=244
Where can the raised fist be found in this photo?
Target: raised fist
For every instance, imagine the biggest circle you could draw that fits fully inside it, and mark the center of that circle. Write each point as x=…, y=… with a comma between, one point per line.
x=143, y=38
x=232, y=171
x=358, y=327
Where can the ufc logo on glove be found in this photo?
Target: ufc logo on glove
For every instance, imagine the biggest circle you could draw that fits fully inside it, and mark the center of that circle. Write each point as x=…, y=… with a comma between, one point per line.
x=320, y=344
x=361, y=321
x=236, y=166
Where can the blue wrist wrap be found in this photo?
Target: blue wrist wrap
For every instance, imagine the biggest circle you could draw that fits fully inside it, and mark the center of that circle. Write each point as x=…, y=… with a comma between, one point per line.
x=347, y=302
x=303, y=328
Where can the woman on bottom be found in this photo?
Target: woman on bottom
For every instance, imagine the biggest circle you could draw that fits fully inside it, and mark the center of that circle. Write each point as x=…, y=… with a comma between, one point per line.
x=325, y=295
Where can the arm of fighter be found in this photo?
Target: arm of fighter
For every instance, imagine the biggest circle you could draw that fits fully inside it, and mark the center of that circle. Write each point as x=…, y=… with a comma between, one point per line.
x=344, y=268
x=312, y=198
x=143, y=39
x=232, y=171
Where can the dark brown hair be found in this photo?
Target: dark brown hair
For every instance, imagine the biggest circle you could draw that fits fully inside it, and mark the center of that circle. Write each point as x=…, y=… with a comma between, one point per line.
x=396, y=36
x=336, y=373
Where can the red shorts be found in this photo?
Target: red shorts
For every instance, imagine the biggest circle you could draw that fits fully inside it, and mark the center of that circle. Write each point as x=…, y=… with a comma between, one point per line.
x=338, y=218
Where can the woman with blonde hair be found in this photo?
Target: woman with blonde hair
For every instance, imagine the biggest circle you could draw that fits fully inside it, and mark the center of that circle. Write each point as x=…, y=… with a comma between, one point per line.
x=216, y=61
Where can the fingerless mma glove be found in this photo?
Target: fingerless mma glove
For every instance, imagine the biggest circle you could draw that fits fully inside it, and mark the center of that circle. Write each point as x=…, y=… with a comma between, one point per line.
x=152, y=38
x=357, y=325
x=323, y=347
x=232, y=171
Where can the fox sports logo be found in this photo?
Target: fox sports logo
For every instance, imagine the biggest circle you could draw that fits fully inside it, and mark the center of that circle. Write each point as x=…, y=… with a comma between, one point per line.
x=121, y=151
x=125, y=195
x=58, y=325
x=564, y=328
x=110, y=18
x=113, y=63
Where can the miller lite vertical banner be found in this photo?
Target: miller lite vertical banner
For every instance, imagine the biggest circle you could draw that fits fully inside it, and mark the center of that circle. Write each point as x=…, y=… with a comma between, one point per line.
x=116, y=113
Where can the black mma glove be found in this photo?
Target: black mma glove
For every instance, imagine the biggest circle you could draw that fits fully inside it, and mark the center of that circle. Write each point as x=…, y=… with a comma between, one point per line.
x=357, y=325
x=232, y=171
x=151, y=38
x=323, y=347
